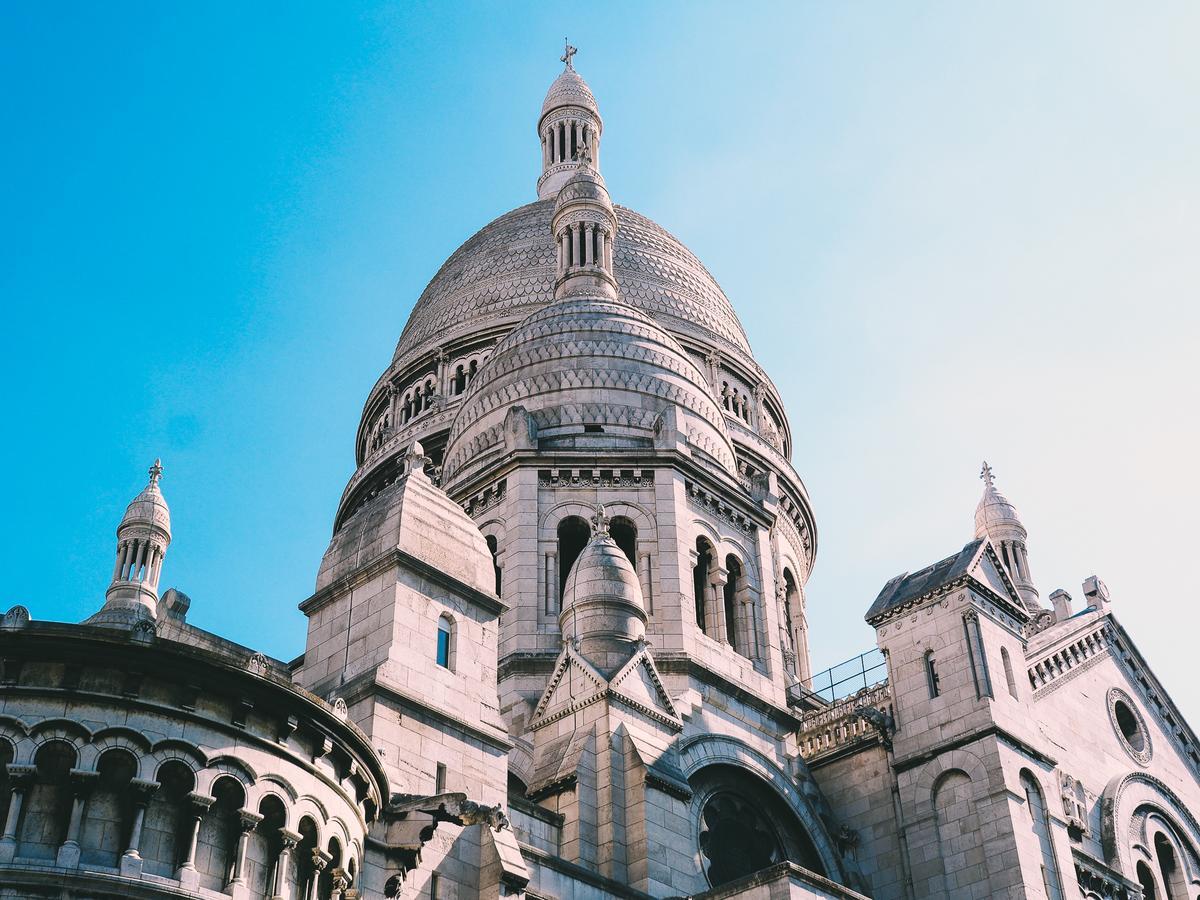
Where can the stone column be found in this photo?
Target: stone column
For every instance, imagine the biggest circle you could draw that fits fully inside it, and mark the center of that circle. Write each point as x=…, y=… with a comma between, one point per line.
x=81, y=785
x=589, y=239
x=246, y=822
x=714, y=616
x=187, y=874
x=288, y=841
x=341, y=881
x=131, y=859
x=320, y=859
x=22, y=778
x=564, y=253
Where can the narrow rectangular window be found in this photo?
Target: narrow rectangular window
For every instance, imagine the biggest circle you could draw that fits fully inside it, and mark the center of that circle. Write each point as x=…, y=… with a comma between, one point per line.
x=443, y=648
x=935, y=684
x=439, y=782
x=976, y=656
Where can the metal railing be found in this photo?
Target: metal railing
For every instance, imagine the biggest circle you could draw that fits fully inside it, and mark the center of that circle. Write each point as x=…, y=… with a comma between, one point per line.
x=850, y=676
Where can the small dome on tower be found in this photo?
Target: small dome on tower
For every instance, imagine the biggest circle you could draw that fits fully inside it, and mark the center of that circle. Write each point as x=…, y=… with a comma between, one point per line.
x=585, y=186
x=569, y=89
x=149, y=507
x=602, y=606
x=994, y=511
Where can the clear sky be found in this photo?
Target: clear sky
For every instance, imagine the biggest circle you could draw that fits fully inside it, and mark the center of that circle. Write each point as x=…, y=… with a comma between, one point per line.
x=954, y=231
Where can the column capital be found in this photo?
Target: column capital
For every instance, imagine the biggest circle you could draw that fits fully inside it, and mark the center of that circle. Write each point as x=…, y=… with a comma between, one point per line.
x=200, y=803
x=83, y=781
x=320, y=859
x=248, y=819
x=143, y=789
x=290, y=839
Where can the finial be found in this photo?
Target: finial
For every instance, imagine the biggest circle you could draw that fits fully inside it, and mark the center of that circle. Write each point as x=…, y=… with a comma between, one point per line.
x=568, y=53
x=599, y=520
x=986, y=474
x=156, y=471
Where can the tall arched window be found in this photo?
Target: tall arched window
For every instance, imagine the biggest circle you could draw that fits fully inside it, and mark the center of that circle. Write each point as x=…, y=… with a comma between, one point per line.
x=445, y=642
x=1008, y=672
x=573, y=534
x=624, y=533
x=494, y=549
x=108, y=814
x=700, y=581
x=218, y=836
x=1173, y=879
x=733, y=586
x=301, y=872
x=167, y=818
x=263, y=846
x=931, y=675
x=330, y=872
x=1146, y=880
x=791, y=603
x=460, y=379
x=1039, y=821
x=47, y=806
x=6, y=756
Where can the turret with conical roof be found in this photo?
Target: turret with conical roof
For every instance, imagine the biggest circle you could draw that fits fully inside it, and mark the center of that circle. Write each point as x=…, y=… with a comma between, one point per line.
x=142, y=540
x=603, y=614
x=996, y=519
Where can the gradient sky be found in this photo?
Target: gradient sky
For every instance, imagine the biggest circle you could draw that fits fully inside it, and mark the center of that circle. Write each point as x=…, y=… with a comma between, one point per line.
x=953, y=232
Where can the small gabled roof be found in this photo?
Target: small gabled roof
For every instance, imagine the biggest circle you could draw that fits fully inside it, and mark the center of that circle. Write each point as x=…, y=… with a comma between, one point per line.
x=977, y=560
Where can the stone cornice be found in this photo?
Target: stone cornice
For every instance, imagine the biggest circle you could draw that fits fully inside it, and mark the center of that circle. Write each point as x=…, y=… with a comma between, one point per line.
x=398, y=558
x=956, y=743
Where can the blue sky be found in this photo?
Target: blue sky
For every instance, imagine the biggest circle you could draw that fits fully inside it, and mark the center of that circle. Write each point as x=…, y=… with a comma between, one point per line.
x=953, y=231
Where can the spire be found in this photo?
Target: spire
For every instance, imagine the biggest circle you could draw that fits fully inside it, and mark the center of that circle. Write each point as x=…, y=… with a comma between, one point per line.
x=142, y=540
x=570, y=121
x=997, y=519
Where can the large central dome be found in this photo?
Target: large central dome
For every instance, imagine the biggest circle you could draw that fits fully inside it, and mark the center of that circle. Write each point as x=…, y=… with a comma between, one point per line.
x=506, y=271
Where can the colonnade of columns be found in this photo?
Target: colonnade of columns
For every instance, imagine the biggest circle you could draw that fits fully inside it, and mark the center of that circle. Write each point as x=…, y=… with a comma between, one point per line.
x=138, y=559
x=563, y=140
x=584, y=245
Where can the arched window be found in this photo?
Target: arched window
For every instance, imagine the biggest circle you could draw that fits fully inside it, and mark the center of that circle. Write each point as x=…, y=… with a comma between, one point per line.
x=262, y=848
x=108, y=814
x=791, y=603
x=471, y=370
x=1039, y=821
x=218, y=836
x=331, y=870
x=47, y=806
x=6, y=756
x=573, y=534
x=700, y=581
x=931, y=675
x=1008, y=672
x=167, y=819
x=1146, y=880
x=445, y=642
x=624, y=532
x=300, y=868
x=460, y=379
x=733, y=585
x=494, y=549
x=1173, y=879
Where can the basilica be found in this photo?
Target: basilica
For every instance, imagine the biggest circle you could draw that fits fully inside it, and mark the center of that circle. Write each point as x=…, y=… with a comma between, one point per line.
x=557, y=646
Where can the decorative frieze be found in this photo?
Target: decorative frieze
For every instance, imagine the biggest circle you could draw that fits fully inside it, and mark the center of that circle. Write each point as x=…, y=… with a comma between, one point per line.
x=707, y=502
x=595, y=478
x=490, y=496
x=1069, y=659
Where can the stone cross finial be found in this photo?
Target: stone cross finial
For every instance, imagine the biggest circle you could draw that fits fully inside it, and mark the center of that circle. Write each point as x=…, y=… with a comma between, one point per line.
x=599, y=520
x=986, y=474
x=568, y=53
x=156, y=471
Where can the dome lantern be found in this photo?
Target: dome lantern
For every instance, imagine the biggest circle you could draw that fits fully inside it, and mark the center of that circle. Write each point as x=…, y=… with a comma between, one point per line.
x=142, y=540
x=584, y=227
x=570, y=121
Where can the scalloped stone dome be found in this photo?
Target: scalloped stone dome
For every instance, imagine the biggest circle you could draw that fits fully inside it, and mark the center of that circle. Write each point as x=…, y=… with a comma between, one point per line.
x=506, y=270
x=148, y=508
x=995, y=511
x=585, y=185
x=587, y=361
x=569, y=89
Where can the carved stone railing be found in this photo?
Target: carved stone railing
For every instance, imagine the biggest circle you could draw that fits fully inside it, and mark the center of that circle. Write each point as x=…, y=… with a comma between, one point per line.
x=841, y=725
x=1061, y=661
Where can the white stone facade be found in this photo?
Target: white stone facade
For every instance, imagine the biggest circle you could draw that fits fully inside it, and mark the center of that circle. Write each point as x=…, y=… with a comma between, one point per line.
x=558, y=645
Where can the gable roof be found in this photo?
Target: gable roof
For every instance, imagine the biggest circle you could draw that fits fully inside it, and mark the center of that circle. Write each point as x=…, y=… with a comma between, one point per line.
x=976, y=560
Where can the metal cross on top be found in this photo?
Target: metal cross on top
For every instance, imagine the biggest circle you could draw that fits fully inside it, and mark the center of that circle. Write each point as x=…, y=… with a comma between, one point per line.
x=156, y=471
x=986, y=474
x=568, y=53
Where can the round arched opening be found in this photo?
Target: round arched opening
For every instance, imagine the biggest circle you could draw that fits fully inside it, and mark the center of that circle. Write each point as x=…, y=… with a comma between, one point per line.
x=744, y=826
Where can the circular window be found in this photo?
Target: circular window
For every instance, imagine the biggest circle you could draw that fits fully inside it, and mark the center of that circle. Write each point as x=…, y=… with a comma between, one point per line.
x=1130, y=727
x=736, y=838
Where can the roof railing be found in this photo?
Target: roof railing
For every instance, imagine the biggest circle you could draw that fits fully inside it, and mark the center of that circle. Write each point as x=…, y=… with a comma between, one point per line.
x=849, y=677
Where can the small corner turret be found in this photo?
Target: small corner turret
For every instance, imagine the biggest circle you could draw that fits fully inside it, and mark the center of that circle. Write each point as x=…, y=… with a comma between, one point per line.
x=570, y=121
x=997, y=520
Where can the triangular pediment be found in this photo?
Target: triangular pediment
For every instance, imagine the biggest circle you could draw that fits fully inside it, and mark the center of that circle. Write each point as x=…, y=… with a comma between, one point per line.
x=988, y=570
x=575, y=681
x=638, y=683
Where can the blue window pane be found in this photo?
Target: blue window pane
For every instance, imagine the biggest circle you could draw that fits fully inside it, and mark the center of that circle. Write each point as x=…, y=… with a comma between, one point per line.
x=443, y=648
